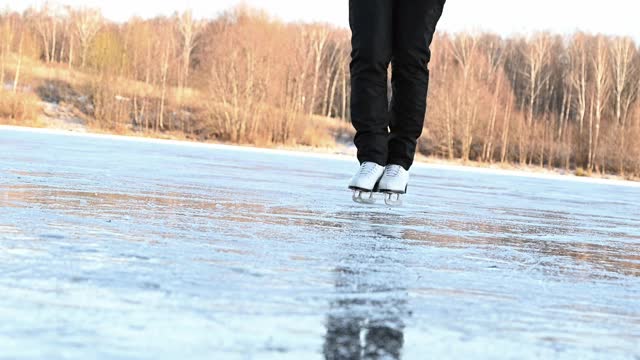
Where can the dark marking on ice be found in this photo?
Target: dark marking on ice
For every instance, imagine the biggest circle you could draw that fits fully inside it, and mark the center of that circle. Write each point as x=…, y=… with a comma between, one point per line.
x=279, y=349
x=137, y=257
x=52, y=236
x=275, y=348
x=132, y=302
x=247, y=272
x=149, y=285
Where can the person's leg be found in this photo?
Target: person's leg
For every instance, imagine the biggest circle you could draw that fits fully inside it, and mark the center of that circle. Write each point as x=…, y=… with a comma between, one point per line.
x=414, y=25
x=372, y=32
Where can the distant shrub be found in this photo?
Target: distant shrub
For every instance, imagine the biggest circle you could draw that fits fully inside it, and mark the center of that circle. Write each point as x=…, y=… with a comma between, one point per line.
x=19, y=108
x=582, y=172
x=316, y=137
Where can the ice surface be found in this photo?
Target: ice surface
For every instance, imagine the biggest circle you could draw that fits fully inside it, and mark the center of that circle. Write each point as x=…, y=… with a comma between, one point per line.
x=126, y=249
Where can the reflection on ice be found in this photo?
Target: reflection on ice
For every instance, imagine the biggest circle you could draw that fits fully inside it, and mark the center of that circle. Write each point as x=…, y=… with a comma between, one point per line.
x=370, y=303
x=112, y=246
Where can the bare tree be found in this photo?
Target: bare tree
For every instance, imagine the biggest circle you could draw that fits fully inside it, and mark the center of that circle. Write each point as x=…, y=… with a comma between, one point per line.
x=16, y=78
x=87, y=24
x=495, y=61
x=189, y=29
x=7, y=35
x=164, y=73
x=578, y=73
x=564, y=155
x=506, y=126
x=330, y=80
x=55, y=21
x=337, y=65
x=464, y=51
x=537, y=57
x=345, y=93
x=600, y=64
x=622, y=56
x=43, y=21
x=318, y=41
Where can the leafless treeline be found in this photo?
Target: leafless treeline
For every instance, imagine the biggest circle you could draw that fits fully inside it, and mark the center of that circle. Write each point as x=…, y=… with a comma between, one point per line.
x=548, y=100
x=545, y=99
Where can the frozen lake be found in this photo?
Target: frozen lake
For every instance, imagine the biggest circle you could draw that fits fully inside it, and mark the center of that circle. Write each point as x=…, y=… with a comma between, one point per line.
x=128, y=249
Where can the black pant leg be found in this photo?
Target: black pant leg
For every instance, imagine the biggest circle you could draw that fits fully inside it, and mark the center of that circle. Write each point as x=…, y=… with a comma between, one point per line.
x=372, y=35
x=414, y=26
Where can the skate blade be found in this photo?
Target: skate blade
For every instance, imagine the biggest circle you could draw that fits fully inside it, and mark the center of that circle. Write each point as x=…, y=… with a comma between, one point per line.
x=363, y=197
x=393, y=198
x=390, y=201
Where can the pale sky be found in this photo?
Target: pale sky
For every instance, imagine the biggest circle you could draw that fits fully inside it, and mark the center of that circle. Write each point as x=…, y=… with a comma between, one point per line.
x=612, y=17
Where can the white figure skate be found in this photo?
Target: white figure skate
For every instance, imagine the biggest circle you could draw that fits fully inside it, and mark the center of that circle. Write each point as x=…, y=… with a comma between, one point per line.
x=365, y=182
x=393, y=184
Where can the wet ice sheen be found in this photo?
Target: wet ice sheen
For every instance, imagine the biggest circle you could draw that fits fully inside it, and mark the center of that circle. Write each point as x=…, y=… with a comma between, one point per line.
x=122, y=249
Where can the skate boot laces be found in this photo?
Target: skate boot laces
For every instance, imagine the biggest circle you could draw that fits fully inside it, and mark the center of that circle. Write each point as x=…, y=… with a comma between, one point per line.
x=367, y=168
x=393, y=170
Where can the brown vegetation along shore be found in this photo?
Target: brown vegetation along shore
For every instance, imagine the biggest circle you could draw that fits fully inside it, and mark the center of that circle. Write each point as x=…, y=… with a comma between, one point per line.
x=546, y=101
